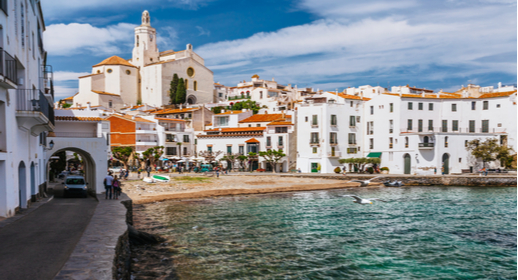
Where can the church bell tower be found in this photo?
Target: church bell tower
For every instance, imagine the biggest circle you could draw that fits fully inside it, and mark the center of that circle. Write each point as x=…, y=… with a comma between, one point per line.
x=145, y=50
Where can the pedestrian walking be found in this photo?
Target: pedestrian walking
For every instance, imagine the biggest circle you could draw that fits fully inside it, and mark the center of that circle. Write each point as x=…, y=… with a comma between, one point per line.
x=126, y=175
x=179, y=169
x=115, y=187
x=217, y=171
x=148, y=169
x=138, y=173
x=108, y=180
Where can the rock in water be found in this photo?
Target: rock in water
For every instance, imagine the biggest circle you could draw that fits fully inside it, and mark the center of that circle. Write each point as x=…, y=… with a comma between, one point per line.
x=140, y=238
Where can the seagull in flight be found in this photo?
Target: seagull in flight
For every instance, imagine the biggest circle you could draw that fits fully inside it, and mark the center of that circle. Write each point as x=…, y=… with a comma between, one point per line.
x=364, y=183
x=363, y=201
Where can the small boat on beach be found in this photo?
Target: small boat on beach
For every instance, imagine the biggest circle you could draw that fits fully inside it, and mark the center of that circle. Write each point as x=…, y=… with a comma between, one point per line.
x=161, y=178
x=393, y=183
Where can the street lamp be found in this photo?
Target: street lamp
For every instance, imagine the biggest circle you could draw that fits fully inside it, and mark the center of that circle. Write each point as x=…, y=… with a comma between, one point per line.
x=51, y=145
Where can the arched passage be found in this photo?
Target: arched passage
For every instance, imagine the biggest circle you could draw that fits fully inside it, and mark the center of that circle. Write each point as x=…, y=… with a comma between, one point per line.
x=446, y=163
x=191, y=99
x=88, y=165
x=408, y=163
x=22, y=184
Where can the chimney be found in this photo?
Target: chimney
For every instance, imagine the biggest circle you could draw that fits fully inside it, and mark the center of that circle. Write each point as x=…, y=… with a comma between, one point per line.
x=181, y=106
x=222, y=110
x=133, y=117
x=244, y=110
x=499, y=84
x=273, y=79
x=88, y=107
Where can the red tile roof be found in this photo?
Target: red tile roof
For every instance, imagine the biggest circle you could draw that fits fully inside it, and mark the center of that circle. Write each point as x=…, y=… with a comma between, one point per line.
x=281, y=123
x=230, y=112
x=252, y=140
x=69, y=118
x=497, y=94
x=175, y=111
x=266, y=118
x=168, y=119
x=130, y=118
x=237, y=129
x=115, y=60
x=105, y=93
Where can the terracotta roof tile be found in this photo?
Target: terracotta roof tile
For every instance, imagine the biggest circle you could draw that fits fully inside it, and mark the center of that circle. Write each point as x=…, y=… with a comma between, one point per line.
x=130, y=118
x=252, y=140
x=230, y=113
x=105, y=93
x=238, y=129
x=176, y=111
x=168, y=119
x=497, y=94
x=281, y=123
x=115, y=60
x=265, y=118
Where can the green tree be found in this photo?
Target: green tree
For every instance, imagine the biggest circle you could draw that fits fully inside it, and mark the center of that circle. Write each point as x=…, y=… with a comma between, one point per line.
x=181, y=92
x=360, y=163
x=216, y=110
x=173, y=88
x=242, y=161
x=66, y=105
x=153, y=154
x=230, y=159
x=252, y=157
x=247, y=104
x=490, y=150
x=272, y=157
x=123, y=154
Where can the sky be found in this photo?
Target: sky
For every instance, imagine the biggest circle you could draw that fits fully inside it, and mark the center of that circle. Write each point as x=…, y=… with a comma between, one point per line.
x=324, y=44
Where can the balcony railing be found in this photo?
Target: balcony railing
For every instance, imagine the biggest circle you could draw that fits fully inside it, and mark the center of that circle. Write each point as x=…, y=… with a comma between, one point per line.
x=426, y=145
x=34, y=100
x=459, y=130
x=78, y=134
x=334, y=154
x=8, y=66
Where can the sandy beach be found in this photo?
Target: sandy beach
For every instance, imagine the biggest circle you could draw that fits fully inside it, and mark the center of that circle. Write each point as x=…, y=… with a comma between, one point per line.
x=187, y=187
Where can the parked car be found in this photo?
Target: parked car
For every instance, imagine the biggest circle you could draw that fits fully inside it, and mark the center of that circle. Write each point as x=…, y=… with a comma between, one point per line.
x=115, y=169
x=75, y=184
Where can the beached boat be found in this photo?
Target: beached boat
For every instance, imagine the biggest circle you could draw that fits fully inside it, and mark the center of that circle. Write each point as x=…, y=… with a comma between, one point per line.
x=161, y=178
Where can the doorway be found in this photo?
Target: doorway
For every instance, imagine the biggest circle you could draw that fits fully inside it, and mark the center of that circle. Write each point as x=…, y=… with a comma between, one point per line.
x=446, y=163
x=408, y=163
x=22, y=185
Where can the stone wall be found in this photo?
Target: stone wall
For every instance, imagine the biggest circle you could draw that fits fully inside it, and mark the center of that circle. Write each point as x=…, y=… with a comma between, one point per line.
x=474, y=181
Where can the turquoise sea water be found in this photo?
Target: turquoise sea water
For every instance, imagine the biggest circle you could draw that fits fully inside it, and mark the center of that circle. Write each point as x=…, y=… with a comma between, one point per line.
x=421, y=232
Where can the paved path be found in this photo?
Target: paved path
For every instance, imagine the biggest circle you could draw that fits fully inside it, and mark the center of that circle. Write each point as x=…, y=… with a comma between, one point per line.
x=37, y=245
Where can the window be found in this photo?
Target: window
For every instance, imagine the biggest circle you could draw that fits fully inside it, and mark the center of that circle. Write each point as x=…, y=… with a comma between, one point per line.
x=473, y=105
x=503, y=140
x=128, y=72
x=209, y=149
x=185, y=151
x=258, y=125
x=444, y=125
x=391, y=142
x=22, y=26
x=281, y=142
x=281, y=129
x=455, y=125
x=430, y=125
x=352, y=103
x=315, y=120
x=466, y=143
x=472, y=126
x=195, y=85
x=352, y=150
x=391, y=106
x=171, y=151
x=268, y=141
x=222, y=121
x=229, y=149
x=352, y=121
x=485, y=105
x=306, y=119
x=186, y=139
x=241, y=150
x=357, y=119
x=446, y=142
x=333, y=119
x=406, y=142
x=220, y=94
x=372, y=110
x=370, y=128
x=260, y=95
x=485, y=126
x=110, y=104
x=109, y=70
x=352, y=139
x=497, y=105
x=410, y=106
x=420, y=106
x=315, y=150
x=419, y=125
x=409, y=126
x=333, y=139
x=454, y=107
x=314, y=138
x=186, y=83
x=190, y=72
x=371, y=143
x=430, y=106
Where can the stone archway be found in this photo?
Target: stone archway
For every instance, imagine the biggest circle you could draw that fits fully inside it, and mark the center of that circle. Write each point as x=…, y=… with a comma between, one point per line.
x=191, y=99
x=89, y=167
x=22, y=185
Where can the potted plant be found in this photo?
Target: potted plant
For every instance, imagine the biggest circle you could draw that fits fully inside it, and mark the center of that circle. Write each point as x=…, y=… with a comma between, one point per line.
x=384, y=170
x=337, y=170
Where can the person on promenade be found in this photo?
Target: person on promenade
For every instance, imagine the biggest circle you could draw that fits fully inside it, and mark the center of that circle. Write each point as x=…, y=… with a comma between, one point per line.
x=108, y=181
x=126, y=175
x=115, y=187
x=138, y=173
x=148, y=169
x=121, y=174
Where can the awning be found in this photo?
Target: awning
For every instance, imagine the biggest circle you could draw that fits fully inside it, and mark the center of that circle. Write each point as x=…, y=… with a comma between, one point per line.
x=374, y=155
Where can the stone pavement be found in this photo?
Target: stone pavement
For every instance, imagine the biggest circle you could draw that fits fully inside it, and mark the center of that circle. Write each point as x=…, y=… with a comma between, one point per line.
x=94, y=255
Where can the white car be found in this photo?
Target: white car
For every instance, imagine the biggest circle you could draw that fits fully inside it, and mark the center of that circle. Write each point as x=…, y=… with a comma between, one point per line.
x=116, y=169
x=74, y=184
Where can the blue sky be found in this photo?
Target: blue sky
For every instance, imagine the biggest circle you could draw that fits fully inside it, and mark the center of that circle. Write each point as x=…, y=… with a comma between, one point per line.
x=324, y=44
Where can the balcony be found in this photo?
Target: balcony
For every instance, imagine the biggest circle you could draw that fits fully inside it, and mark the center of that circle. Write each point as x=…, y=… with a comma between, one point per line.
x=145, y=131
x=170, y=140
x=92, y=134
x=8, y=70
x=314, y=142
x=426, y=146
x=333, y=143
x=34, y=111
x=147, y=143
x=336, y=154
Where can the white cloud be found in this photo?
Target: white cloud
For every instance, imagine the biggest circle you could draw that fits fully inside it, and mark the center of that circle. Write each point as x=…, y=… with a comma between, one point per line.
x=76, y=38
x=331, y=49
x=61, y=92
x=68, y=76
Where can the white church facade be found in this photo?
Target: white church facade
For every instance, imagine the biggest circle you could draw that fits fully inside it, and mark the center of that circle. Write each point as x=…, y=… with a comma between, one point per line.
x=145, y=78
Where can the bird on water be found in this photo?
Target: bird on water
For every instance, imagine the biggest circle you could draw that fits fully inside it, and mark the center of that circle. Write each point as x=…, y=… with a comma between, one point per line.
x=363, y=201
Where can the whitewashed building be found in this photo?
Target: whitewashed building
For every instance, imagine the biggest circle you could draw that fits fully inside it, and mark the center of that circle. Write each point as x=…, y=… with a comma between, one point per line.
x=146, y=77
x=26, y=105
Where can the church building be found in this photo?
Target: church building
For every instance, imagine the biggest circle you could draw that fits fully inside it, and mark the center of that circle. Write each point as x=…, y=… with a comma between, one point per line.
x=146, y=77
